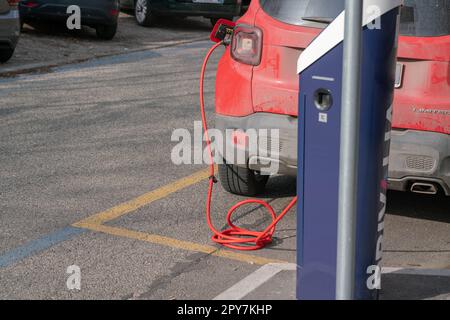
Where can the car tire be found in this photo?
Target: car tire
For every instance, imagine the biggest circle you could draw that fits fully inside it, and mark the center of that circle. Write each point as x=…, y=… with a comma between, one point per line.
x=143, y=14
x=106, y=32
x=241, y=181
x=6, y=54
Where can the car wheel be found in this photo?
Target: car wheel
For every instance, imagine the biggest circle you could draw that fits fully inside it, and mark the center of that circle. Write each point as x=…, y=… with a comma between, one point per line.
x=6, y=54
x=106, y=32
x=241, y=181
x=143, y=13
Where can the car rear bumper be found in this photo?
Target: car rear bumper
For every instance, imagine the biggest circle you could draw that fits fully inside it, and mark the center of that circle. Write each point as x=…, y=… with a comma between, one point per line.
x=416, y=156
x=89, y=15
x=282, y=155
x=9, y=29
x=419, y=156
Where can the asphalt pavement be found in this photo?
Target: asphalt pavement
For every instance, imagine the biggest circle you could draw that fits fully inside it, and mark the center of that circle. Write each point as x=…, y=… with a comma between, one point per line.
x=87, y=180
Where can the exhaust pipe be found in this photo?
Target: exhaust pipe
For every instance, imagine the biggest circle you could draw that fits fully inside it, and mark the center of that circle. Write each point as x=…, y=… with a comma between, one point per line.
x=424, y=188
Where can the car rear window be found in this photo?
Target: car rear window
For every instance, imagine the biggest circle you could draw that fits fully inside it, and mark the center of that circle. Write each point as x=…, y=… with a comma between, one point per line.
x=418, y=18
x=304, y=12
x=425, y=18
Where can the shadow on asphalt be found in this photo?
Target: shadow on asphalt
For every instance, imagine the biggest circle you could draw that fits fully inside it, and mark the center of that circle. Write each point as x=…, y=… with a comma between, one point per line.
x=418, y=206
x=58, y=29
x=280, y=187
x=413, y=287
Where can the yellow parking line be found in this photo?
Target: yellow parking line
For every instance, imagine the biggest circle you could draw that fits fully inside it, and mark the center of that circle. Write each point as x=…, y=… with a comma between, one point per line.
x=96, y=223
x=179, y=244
x=143, y=200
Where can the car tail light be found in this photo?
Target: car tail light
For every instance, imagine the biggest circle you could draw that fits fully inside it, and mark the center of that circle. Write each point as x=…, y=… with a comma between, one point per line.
x=247, y=45
x=30, y=4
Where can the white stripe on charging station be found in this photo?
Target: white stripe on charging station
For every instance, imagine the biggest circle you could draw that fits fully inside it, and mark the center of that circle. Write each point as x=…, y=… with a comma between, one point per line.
x=334, y=34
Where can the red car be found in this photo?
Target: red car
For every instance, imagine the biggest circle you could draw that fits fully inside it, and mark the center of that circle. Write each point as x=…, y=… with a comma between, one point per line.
x=257, y=87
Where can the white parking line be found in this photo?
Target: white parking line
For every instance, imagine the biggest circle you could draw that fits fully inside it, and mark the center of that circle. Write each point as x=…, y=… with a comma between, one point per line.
x=417, y=271
x=268, y=271
x=254, y=280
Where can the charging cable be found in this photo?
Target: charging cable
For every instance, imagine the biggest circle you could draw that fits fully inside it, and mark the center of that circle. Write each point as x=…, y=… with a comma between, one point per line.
x=235, y=237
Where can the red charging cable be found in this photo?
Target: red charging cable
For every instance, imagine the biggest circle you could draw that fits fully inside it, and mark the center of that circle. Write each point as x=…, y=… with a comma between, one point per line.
x=235, y=237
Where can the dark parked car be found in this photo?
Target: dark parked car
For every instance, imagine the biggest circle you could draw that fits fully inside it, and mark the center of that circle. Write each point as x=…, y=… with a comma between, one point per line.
x=99, y=14
x=9, y=28
x=146, y=11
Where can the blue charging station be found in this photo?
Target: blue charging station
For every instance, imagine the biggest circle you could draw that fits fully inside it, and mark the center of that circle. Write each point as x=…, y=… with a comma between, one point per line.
x=320, y=69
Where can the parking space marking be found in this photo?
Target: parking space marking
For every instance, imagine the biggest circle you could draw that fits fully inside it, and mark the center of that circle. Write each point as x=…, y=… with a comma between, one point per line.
x=97, y=222
x=262, y=275
x=143, y=200
x=180, y=244
x=254, y=281
x=38, y=245
x=417, y=271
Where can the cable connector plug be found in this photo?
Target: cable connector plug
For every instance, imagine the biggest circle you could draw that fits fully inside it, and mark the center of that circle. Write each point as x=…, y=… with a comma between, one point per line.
x=223, y=32
x=213, y=178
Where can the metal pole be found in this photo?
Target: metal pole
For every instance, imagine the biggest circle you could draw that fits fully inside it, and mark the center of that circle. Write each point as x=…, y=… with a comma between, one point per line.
x=351, y=97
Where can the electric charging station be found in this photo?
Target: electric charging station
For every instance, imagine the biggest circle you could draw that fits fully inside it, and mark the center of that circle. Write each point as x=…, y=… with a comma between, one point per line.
x=319, y=145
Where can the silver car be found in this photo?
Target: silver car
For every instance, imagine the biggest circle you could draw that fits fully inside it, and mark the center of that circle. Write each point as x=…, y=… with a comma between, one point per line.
x=9, y=28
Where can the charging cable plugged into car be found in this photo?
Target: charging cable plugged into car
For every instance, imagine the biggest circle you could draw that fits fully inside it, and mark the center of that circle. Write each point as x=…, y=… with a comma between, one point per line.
x=243, y=40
